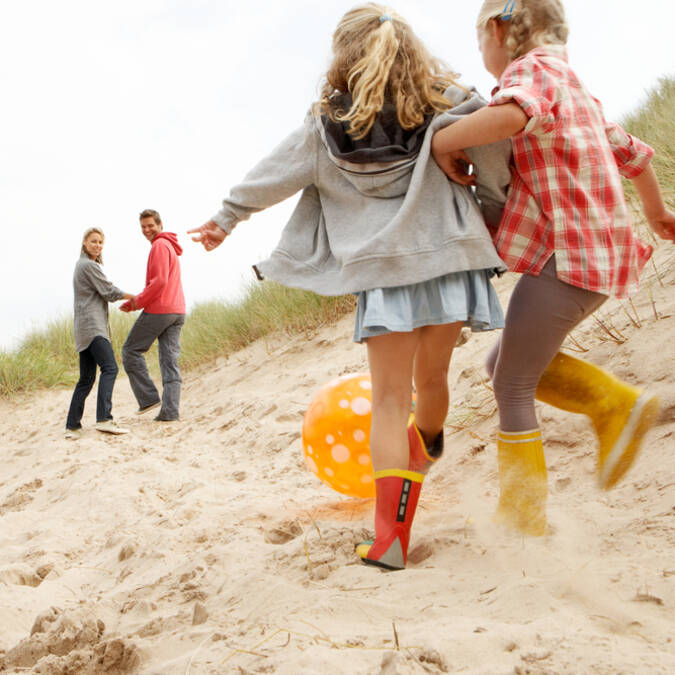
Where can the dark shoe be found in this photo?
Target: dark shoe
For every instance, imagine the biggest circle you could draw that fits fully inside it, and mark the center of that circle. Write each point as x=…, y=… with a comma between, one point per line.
x=164, y=419
x=147, y=408
x=422, y=457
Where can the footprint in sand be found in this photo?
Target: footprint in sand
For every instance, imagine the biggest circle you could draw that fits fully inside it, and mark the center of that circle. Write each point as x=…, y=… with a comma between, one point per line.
x=282, y=532
x=19, y=574
x=21, y=496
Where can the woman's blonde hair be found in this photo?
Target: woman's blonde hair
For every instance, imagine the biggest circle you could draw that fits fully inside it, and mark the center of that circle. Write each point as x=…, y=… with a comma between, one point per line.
x=378, y=58
x=87, y=232
x=532, y=23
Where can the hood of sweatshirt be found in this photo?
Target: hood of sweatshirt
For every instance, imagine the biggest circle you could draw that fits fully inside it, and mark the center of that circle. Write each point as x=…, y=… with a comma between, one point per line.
x=379, y=164
x=172, y=238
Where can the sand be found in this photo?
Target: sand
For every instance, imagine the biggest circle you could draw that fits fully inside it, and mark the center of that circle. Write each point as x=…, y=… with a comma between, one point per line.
x=206, y=546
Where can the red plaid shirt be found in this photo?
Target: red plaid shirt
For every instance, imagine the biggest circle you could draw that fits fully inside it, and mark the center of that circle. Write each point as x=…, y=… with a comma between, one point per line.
x=566, y=195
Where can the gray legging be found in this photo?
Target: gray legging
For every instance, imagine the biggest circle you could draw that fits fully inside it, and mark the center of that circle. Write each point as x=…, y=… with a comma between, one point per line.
x=542, y=311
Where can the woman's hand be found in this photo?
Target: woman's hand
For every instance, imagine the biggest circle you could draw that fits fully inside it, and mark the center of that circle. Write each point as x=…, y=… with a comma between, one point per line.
x=209, y=235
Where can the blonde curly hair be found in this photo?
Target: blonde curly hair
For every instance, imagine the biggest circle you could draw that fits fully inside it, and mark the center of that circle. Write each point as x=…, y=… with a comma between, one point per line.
x=378, y=58
x=532, y=23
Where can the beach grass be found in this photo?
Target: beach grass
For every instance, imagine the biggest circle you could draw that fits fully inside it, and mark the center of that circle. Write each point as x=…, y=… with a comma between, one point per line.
x=218, y=328
x=46, y=357
x=654, y=123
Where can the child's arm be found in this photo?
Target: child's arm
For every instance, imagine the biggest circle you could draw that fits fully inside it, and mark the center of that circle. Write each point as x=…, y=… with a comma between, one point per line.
x=661, y=220
x=633, y=159
x=487, y=125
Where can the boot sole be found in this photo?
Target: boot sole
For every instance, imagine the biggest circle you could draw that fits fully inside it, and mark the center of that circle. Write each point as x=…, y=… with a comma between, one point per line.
x=642, y=417
x=384, y=566
x=376, y=563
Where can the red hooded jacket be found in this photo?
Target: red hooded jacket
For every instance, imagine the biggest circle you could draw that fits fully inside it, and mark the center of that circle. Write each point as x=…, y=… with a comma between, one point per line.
x=163, y=292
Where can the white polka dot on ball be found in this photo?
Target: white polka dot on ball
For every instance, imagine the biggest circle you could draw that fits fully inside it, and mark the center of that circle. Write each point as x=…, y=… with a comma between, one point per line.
x=340, y=453
x=361, y=406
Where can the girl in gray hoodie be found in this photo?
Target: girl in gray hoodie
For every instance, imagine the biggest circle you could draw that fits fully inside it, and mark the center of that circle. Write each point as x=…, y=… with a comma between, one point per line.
x=378, y=218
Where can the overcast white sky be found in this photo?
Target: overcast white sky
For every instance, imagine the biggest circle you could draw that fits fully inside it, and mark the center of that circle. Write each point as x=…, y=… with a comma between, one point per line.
x=112, y=107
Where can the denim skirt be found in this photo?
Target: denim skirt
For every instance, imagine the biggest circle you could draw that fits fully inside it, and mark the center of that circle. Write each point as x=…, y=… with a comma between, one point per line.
x=460, y=296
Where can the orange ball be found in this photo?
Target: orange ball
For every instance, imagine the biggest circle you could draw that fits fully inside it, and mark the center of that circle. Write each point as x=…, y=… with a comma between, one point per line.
x=336, y=435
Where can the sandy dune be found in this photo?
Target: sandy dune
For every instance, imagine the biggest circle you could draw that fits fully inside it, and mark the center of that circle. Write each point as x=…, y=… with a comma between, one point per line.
x=206, y=546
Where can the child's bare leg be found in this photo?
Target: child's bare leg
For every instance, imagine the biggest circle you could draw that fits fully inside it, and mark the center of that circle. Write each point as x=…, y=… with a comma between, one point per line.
x=391, y=364
x=432, y=360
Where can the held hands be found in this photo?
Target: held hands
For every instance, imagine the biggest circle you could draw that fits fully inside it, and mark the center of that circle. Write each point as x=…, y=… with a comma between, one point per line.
x=209, y=235
x=129, y=305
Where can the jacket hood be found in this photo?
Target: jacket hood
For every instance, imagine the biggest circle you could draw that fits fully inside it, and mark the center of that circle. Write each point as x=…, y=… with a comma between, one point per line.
x=172, y=238
x=379, y=164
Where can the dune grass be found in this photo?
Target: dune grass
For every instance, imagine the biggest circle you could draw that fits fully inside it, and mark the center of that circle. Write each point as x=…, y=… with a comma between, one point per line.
x=654, y=123
x=217, y=329
x=46, y=358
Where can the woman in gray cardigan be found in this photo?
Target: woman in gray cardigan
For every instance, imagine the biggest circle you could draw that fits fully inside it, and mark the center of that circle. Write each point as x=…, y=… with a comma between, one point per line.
x=93, y=292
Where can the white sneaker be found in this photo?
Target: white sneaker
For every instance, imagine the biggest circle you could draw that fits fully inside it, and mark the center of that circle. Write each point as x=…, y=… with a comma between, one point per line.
x=73, y=434
x=111, y=427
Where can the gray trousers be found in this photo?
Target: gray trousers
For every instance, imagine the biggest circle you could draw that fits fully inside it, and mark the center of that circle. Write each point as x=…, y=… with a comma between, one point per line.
x=165, y=328
x=542, y=311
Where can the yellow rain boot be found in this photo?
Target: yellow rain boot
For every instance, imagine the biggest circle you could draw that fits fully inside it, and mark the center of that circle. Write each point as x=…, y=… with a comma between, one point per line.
x=522, y=482
x=621, y=414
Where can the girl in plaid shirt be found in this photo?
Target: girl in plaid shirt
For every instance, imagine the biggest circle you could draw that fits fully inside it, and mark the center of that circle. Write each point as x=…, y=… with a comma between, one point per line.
x=566, y=228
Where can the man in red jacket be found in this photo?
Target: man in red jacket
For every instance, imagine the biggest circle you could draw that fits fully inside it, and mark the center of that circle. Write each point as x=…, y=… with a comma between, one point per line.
x=162, y=318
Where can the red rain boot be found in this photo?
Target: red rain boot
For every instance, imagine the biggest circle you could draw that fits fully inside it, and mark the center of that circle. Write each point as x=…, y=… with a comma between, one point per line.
x=421, y=457
x=397, y=492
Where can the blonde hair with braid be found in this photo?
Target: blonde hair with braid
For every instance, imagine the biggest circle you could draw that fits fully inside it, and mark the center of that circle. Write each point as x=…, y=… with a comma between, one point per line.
x=532, y=23
x=377, y=58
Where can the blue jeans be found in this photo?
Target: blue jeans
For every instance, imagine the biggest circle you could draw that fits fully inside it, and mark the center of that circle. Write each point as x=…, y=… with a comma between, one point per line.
x=98, y=353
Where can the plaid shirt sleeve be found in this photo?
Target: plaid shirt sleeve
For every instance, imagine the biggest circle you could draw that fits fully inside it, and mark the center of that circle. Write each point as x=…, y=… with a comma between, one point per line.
x=533, y=89
x=631, y=154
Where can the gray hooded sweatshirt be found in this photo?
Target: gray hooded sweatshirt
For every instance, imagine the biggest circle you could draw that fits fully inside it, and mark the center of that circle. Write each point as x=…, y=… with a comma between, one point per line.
x=377, y=212
x=92, y=292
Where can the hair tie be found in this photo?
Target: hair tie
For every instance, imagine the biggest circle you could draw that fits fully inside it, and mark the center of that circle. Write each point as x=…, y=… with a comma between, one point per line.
x=507, y=12
x=385, y=17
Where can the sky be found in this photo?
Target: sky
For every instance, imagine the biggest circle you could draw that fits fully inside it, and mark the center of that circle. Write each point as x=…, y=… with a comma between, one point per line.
x=109, y=108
